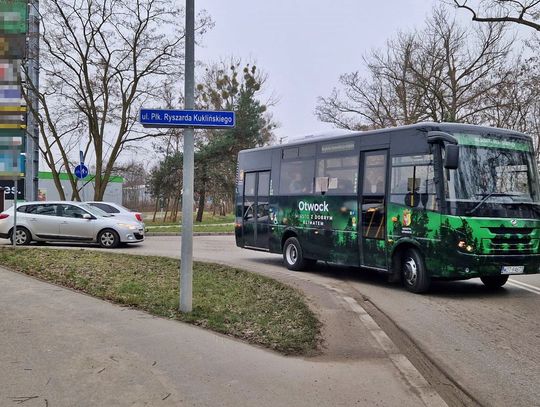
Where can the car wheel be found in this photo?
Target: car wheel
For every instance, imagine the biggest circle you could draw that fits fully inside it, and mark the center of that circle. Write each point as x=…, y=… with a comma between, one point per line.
x=108, y=239
x=494, y=281
x=293, y=254
x=415, y=275
x=23, y=236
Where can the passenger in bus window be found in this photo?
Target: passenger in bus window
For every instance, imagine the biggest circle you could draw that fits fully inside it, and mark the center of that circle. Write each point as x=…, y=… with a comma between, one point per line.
x=296, y=185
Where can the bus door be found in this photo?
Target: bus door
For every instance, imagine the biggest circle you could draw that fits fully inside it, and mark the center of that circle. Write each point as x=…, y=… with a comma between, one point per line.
x=256, y=205
x=373, y=176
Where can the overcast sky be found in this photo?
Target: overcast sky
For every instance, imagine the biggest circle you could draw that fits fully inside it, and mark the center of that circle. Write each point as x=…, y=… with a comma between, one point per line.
x=304, y=45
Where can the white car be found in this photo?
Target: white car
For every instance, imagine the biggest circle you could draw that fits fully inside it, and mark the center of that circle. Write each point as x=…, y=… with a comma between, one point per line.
x=68, y=221
x=118, y=211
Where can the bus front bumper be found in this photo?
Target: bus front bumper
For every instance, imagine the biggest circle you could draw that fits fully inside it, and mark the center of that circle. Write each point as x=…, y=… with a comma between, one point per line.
x=471, y=265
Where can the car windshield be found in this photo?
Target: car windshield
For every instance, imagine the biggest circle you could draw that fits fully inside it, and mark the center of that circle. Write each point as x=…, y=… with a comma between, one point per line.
x=95, y=210
x=493, y=172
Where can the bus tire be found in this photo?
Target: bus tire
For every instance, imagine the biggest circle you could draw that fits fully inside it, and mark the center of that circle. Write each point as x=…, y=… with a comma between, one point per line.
x=494, y=281
x=293, y=254
x=415, y=275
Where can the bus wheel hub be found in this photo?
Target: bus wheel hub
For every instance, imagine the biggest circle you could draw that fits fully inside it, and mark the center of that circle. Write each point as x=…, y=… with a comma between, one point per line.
x=292, y=255
x=411, y=271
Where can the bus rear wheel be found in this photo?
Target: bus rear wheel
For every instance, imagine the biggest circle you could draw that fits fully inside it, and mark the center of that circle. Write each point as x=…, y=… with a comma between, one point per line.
x=293, y=254
x=494, y=281
x=415, y=275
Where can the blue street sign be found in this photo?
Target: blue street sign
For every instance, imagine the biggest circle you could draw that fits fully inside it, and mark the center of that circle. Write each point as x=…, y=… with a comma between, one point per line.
x=186, y=118
x=81, y=171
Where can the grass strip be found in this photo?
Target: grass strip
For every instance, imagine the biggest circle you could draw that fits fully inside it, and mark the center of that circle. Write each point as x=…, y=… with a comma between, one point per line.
x=234, y=302
x=196, y=228
x=208, y=219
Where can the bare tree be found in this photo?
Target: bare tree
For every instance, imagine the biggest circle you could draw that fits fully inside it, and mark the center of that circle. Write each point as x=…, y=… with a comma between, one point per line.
x=516, y=102
x=523, y=12
x=441, y=73
x=101, y=60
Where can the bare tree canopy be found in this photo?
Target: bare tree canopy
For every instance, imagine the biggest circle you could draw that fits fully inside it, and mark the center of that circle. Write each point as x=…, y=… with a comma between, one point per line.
x=524, y=12
x=101, y=60
x=441, y=73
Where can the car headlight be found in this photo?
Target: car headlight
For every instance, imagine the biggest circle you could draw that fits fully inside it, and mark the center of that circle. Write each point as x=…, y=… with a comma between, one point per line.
x=127, y=226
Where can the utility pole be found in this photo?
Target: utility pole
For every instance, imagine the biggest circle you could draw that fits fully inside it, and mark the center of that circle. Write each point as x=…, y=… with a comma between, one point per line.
x=32, y=138
x=186, y=261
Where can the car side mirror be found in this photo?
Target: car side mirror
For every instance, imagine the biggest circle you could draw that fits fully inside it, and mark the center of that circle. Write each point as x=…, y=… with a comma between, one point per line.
x=451, y=158
x=87, y=216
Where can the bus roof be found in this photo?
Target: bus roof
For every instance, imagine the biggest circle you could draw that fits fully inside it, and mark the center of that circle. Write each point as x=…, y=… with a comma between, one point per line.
x=344, y=134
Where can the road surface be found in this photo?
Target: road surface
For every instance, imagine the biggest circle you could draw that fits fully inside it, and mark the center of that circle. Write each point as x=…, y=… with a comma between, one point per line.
x=488, y=341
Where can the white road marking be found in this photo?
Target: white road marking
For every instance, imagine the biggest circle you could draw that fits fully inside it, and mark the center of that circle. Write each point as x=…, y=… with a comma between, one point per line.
x=524, y=286
x=428, y=395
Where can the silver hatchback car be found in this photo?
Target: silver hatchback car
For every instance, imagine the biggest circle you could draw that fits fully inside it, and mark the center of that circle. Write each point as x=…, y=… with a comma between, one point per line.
x=68, y=221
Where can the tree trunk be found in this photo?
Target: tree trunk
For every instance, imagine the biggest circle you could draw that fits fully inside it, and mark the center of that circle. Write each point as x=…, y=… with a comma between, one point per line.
x=174, y=210
x=156, y=209
x=222, y=208
x=166, y=210
x=200, y=209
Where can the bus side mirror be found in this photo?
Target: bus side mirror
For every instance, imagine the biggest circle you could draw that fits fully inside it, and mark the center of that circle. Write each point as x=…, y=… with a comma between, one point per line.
x=451, y=158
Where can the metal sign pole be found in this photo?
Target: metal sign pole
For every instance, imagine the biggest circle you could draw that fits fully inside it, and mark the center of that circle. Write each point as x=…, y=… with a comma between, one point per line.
x=81, y=163
x=14, y=234
x=186, y=261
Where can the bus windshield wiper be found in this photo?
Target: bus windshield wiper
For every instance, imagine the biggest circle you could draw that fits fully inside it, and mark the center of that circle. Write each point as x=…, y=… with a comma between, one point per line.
x=484, y=199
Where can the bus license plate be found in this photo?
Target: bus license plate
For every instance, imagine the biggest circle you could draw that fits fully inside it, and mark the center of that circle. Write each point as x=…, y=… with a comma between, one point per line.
x=512, y=269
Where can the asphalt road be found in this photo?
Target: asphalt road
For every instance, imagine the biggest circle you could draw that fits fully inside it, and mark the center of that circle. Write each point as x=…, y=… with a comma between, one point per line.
x=487, y=341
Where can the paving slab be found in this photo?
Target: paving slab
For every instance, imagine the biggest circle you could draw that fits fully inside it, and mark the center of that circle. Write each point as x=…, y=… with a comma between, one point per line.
x=64, y=348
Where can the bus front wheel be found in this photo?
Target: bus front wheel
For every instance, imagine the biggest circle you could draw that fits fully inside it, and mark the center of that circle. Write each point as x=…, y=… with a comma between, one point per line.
x=494, y=281
x=415, y=275
x=293, y=254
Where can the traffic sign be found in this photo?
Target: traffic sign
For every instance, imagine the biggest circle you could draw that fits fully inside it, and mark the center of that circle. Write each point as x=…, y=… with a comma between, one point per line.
x=81, y=171
x=187, y=118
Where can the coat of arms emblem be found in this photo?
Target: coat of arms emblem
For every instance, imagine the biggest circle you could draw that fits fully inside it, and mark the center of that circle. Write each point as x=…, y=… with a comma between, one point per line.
x=407, y=218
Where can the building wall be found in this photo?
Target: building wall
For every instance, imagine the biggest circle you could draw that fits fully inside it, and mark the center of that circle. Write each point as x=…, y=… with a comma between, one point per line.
x=47, y=190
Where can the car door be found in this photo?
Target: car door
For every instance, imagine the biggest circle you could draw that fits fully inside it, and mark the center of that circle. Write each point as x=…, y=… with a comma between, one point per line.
x=73, y=226
x=42, y=220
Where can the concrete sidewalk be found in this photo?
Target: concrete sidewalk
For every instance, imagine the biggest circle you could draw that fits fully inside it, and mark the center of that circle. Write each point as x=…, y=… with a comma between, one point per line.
x=62, y=348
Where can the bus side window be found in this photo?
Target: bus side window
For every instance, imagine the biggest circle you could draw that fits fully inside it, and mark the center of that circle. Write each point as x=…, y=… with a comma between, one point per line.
x=249, y=184
x=297, y=177
x=342, y=174
x=413, y=185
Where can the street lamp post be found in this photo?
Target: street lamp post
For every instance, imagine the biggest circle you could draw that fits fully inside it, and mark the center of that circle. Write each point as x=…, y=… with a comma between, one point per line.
x=186, y=261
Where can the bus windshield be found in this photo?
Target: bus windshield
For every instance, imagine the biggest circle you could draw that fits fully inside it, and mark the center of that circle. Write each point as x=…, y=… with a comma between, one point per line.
x=494, y=175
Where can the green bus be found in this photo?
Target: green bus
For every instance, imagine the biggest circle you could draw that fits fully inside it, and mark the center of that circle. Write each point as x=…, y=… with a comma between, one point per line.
x=419, y=202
